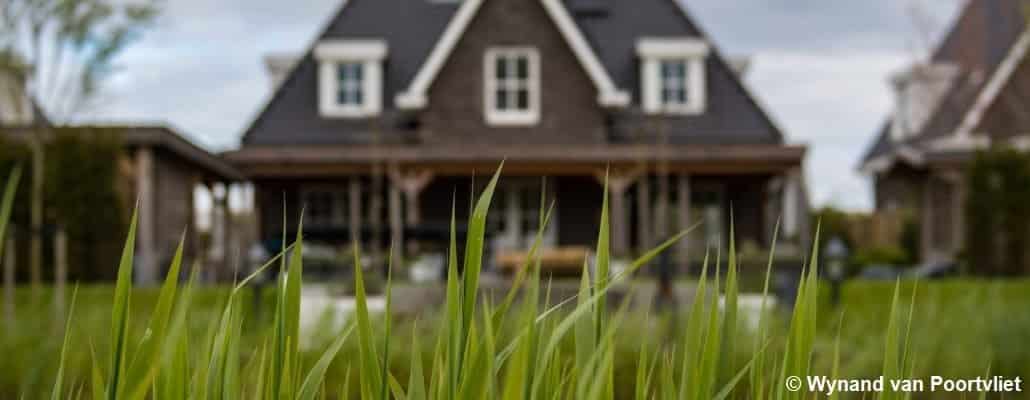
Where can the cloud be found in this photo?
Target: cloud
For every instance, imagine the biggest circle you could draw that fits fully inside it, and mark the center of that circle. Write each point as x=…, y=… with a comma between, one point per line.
x=834, y=102
x=820, y=67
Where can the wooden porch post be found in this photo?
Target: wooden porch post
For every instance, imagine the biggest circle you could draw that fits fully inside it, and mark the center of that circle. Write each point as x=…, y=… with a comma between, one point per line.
x=411, y=183
x=227, y=232
x=396, y=225
x=644, y=213
x=375, y=218
x=683, y=220
x=618, y=183
x=146, y=272
x=355, y=207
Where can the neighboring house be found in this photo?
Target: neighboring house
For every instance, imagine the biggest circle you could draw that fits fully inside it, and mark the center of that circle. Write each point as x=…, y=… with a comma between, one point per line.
x=388, y=115
x=159, y=172
x=970, y=94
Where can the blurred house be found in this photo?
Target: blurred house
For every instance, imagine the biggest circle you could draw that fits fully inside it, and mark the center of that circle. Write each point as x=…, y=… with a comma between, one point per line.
x=159, y=170
x=970, y=94
x=378, y=128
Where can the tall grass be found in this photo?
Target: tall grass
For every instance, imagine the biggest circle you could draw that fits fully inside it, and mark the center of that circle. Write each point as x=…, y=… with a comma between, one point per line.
x=525, y=347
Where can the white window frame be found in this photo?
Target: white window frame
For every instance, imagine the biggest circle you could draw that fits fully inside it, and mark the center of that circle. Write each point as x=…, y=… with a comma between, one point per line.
x=496, y=117
x=330, y=55
x=693, y=52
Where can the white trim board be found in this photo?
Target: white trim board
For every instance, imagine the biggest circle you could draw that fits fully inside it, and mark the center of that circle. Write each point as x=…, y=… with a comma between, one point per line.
x=993, y=88
x=415, y=96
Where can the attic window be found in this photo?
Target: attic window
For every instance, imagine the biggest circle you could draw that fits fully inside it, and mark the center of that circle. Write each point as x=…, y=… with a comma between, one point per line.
x=350, y=78
x=512, y=86
x=672, y=75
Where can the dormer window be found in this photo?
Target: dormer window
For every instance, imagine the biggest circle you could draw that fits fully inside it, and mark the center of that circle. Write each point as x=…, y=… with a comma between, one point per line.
x=350, y=78
x=672, y=76
x=512, y=86
x=350, y=88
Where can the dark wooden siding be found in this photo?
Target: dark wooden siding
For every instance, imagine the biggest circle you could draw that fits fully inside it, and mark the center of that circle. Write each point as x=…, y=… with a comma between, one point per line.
x=569, y=112
x=174, y=181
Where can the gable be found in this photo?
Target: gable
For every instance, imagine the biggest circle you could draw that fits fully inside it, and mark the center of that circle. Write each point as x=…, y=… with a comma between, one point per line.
x=569, y=112
x=985, y=43
x=1008, y=115
x=609, y=95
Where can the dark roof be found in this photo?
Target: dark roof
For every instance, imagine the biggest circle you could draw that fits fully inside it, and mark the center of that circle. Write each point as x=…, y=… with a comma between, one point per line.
x=978, y=42
x=412, y=28
x=159, y=137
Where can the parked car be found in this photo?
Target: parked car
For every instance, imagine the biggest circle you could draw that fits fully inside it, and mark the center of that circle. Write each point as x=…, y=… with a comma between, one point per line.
x=934, y=270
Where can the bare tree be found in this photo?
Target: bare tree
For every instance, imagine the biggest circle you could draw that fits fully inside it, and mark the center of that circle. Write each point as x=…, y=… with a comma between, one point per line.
x=57, y=53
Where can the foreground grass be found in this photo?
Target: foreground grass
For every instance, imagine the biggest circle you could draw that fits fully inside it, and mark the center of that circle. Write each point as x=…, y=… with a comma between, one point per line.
x=181, y=342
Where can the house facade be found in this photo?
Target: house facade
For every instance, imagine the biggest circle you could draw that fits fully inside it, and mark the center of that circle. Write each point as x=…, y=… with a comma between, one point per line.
x=400, y=108
x=968, y=96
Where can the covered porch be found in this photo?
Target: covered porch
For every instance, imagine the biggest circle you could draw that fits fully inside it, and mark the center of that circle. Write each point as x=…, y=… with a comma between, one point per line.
x=405, y=194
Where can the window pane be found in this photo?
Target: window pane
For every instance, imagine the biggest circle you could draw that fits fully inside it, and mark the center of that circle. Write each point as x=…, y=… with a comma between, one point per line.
x=523, y=99
x=499, y=70
x=680, y=68
x=502, y=99
x=522, y=68
x=357, y=72
x=674, y=82
x=350, y=77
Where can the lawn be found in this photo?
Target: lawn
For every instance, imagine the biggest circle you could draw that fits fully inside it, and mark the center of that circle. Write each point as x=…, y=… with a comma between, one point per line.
x=960, y=327
x=185, y=341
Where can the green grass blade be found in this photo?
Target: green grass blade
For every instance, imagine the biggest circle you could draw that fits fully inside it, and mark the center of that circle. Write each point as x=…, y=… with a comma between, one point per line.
x=98, y=386
x=892, y=345
x=757, y=380
x=474, y=243
x=58, y=390
x=315, y=377
x=385, y=373
x=602, y=265
x=729, y=327
x=417, y=380
x=120, y=315
x=369, y=362
x=294, y=281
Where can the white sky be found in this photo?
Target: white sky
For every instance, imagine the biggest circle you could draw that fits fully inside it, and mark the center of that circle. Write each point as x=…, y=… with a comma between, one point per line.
x=819, y=67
